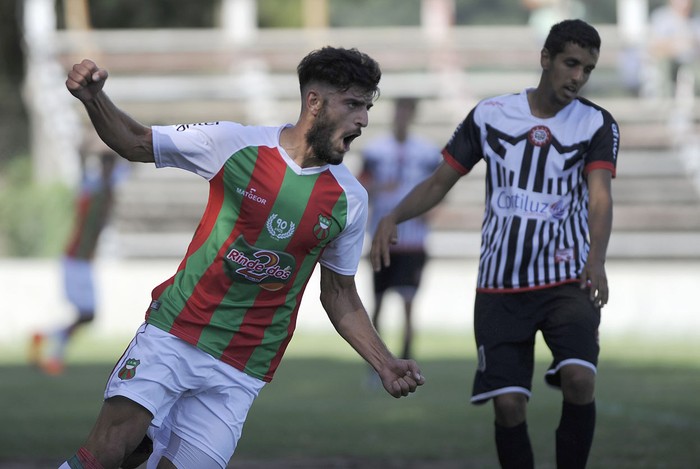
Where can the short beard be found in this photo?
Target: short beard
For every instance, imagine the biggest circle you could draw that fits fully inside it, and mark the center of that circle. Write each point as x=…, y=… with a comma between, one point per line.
x=319, y=138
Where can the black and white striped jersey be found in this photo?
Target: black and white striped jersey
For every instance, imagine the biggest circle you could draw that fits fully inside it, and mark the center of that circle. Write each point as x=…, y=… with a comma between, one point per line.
x=394, y=168
x=535, y=225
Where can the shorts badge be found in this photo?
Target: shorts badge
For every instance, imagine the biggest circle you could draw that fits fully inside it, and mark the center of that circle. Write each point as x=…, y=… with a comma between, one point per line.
x=128, y=371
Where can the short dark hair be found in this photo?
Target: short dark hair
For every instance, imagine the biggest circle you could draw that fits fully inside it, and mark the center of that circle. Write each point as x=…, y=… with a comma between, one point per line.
x=340, y=68
x=577, y=31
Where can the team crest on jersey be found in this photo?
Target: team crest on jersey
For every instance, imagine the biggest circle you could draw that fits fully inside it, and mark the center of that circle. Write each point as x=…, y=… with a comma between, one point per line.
x=322, y=228
x=539, y=135
x=558, y=209
x=279, y=229
x=128, y=371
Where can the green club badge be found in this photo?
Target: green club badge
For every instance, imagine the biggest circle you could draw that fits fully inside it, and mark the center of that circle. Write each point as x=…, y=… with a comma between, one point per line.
x=321, y=229
x=128, y=371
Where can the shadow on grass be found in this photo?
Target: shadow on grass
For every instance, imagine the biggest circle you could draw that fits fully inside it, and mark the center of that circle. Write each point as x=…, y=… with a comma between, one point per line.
x=324, y=410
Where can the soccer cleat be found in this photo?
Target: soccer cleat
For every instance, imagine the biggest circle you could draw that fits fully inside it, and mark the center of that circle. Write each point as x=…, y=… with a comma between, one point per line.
x=35, y=349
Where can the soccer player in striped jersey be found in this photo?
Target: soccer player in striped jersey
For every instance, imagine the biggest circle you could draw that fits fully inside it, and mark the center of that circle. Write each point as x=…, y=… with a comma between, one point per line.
x=92, y=211
x=550, y=156
x=280, y=202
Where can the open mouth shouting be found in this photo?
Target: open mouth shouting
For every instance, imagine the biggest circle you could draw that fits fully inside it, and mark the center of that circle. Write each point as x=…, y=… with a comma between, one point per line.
x=348, y=139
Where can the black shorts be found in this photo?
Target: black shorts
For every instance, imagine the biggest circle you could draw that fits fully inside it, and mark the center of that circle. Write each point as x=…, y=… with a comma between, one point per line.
x=405, y=270
x=505, y=325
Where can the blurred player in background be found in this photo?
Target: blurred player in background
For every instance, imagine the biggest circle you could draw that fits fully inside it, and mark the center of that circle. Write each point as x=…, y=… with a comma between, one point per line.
x=550, y=157
x=674, y=43
x=392, y=165
x=280, y=202
x=92, y=213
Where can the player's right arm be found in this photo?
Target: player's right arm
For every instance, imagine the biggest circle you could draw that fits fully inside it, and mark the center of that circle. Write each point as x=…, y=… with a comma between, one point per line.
x=117, y=129
x=422, y=198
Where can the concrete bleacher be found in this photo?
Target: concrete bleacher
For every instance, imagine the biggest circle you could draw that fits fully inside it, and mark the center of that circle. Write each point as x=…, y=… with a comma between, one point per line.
x=171, y=76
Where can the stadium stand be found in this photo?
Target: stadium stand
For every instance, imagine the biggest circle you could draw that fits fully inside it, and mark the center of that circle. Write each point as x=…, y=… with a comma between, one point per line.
x=178, y=76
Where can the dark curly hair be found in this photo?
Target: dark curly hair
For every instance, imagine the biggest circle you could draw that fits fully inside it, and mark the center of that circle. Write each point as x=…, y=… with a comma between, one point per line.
x=340, y=68
x=577, y=31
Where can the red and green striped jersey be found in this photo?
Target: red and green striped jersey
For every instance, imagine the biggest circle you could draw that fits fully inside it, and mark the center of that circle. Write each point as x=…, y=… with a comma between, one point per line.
x=267, y=223
x=93, y=207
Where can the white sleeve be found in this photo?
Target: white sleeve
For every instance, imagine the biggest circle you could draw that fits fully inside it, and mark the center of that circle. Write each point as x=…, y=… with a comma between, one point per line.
x=201, y=148
x=342, y=255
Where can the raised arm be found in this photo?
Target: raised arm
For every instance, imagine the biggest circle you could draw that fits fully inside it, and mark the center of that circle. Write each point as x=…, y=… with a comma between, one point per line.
x=344, y=308
x=118, y=130
x=600, y=213
x=422, y=198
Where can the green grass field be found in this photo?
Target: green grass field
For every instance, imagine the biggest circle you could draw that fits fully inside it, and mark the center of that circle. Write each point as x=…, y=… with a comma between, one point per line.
x=319, y=406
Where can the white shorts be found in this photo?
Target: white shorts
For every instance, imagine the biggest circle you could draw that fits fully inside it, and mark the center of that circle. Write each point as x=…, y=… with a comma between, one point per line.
x=79, y=284
x=204, y=400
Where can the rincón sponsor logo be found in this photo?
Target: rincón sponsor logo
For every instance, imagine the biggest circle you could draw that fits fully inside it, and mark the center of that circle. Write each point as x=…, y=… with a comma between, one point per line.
x=269, y=269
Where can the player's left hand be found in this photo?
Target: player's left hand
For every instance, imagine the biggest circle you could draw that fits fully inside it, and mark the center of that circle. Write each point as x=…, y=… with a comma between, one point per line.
x=595, y=279
x=401, y=377
x=384, y=237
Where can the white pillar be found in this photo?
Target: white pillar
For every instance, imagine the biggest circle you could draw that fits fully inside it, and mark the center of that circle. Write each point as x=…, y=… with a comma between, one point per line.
x=55, y=130
x=239, y=20
x=437, y=18
x=632, y=18
x=638, y=74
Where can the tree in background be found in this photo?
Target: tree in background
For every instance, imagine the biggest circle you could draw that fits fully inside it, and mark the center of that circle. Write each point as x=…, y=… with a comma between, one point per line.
x=13, y=118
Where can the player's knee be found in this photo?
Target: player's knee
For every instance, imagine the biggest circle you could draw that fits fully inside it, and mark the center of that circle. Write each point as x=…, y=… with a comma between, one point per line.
x=119, y=430
x=139, y=455
x=510, y=409
x=109, y=451
x=577, y=384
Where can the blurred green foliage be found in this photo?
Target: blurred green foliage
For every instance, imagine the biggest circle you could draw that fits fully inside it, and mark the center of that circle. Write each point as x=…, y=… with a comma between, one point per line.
x=13, y=119
x=34, y=218
x=279, y=13
x=108, y=14
x=288, y=13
